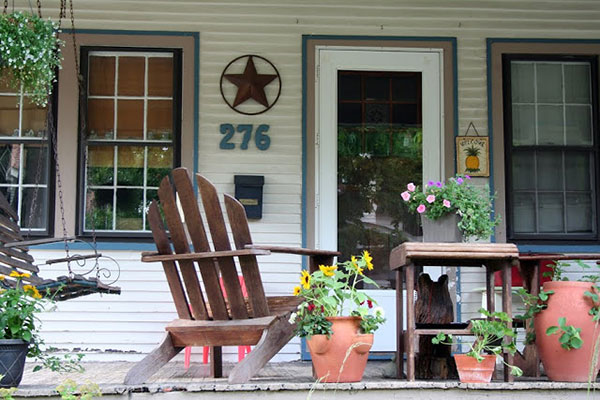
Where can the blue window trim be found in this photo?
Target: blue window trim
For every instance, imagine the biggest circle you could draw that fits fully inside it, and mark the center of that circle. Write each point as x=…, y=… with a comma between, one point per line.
x=144, y=246
x=579, y=248
x=305, y=38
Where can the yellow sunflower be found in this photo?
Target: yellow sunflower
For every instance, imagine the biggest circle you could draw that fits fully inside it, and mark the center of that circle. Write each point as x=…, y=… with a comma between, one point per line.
x=305, y=280
x=355, y=265
x=2, y=277
x=16, y=274
x=367, y=257
x=297, y=290
x=32, y=290
x=328, y=270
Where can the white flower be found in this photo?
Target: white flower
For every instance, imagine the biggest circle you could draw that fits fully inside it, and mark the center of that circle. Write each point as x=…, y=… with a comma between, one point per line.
x=292, y=318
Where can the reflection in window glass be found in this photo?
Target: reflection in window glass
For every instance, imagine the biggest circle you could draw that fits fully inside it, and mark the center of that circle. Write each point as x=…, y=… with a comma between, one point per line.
x=24, y=167
x=551, y=150
x=132, y=132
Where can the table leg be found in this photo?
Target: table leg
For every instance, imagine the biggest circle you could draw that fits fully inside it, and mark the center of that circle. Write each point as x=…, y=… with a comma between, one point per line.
x=507, y=308
x=399, y=325
x=489, y=289
x=410, y=322
x=530, y=271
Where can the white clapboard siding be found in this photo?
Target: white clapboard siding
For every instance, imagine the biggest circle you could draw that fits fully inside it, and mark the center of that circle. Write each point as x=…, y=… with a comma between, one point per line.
x=274, y=29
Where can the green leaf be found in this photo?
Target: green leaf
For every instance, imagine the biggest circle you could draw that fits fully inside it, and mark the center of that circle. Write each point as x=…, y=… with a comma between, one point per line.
x=562, y=321
x=576, y=343
x=551, y=330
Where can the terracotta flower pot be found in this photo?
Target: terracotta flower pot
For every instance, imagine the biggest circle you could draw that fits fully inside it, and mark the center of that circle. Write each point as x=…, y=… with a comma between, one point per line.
x=343, y=357
x=567, y=301
x=472, y=371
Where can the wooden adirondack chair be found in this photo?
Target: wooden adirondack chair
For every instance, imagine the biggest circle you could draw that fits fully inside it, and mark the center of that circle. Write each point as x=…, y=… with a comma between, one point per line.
x=258, y=320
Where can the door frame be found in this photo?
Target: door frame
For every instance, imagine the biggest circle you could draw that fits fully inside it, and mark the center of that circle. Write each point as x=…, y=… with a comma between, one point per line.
x=331, y=59
x=450, y=105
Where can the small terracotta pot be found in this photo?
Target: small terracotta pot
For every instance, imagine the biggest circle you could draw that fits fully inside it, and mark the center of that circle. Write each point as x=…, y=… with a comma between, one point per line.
x=343, y=357
x=472, y=371
x=567, y=301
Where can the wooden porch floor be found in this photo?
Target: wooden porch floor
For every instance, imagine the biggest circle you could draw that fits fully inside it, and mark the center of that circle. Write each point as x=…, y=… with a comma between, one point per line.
x=290, y=380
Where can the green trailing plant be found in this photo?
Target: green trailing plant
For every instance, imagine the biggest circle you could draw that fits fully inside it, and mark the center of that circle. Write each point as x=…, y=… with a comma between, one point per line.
x=332, y=291
x=457, y=195
x=570, y=337
x=30, y=51
x=490, y=336
x=19, y=304
x=70, y=390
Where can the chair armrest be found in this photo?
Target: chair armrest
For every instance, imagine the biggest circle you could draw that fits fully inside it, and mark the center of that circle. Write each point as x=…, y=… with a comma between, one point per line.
x=295, y=250
x=152, y=256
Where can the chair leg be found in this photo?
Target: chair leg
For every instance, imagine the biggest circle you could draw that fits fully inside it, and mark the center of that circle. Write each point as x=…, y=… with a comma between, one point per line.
x=187, y=357
x=273, y=339
x=144, y=369
x=205, y=351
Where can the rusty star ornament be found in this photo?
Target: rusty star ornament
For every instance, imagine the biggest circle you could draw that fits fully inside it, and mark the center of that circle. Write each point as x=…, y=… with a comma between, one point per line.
x=251, y=84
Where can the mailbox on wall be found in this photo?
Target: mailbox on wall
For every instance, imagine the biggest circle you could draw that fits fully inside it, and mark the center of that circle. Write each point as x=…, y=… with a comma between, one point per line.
x=249, y=192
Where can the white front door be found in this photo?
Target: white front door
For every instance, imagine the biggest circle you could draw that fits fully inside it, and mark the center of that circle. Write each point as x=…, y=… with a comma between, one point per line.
x=379, y=126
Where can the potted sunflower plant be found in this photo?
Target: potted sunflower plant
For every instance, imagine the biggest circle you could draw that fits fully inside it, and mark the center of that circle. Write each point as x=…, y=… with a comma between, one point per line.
x=19, y=331
x=30, y=54
x=337, y=319
x=452, y=211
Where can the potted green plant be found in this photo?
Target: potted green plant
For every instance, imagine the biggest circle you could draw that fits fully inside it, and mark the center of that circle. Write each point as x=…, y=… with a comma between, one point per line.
x=565, y=329
x=490, y=334
x=463, y=207
x=19, y=326
x=337, y=319
x=31, y=55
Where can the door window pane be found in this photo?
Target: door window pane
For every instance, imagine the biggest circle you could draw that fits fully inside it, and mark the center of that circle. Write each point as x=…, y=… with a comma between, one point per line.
x=131, y=76
x=577, y=83
x=522, y=83
x=523, y=124
x=160, y=76
x=550, y=125
x=549, y=83
x=379, y=153
x=578, y=123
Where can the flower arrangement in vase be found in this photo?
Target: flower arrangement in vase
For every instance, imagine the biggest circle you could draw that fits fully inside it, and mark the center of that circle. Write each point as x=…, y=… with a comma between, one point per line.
x=457, y=196
x=337, y=319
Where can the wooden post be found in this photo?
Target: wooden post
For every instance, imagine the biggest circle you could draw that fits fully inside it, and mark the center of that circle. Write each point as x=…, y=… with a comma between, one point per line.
x=410, y=321
x=507, y=308
x=399, y=325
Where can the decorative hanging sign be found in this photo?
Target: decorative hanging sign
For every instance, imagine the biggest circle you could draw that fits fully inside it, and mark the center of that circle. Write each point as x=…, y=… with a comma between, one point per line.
x=472, y=154
x=262, y=88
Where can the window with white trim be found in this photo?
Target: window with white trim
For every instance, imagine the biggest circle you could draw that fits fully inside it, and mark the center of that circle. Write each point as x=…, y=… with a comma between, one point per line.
x=24, y=164
x=133, y=118
x=551, y=147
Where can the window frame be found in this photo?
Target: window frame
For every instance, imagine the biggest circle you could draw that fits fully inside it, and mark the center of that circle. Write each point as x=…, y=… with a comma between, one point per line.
x=48, y=231
x=594, y=149
x=177, y=136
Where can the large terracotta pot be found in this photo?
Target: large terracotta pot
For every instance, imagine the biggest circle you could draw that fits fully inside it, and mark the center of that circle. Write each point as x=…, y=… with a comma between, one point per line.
x=343, y=356
x=472, y=371
x=567, y=301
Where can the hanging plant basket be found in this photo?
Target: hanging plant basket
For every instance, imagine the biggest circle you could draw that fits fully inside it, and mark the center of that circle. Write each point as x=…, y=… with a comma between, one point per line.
x=31, y=54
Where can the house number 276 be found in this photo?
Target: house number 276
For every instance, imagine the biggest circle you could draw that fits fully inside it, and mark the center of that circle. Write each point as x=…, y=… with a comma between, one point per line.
x=261, y=139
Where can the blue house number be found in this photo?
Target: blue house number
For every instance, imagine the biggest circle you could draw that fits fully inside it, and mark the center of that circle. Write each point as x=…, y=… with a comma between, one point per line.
x=261, y=139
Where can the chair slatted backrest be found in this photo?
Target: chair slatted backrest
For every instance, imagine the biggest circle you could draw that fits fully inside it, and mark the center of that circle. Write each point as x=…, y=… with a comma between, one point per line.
x=211, y=270
x=16, y=258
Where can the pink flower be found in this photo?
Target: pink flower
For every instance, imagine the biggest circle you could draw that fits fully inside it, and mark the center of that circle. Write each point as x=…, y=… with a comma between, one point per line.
x=430, y=199
x=446, y=203
x=411, y=187
x=421, y=209
x=405, y=195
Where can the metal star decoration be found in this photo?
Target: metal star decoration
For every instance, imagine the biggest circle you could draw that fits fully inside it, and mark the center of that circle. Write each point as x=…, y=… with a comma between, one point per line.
x=251, y=85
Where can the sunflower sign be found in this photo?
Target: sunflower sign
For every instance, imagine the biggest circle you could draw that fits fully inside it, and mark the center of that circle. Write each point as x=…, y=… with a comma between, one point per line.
x=472, y=155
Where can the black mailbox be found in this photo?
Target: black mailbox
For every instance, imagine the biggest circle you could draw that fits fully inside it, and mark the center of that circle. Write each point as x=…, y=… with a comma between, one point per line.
x=249, y=192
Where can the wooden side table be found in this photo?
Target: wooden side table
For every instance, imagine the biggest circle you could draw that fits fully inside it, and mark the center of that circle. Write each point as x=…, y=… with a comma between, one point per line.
x=404, y=259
